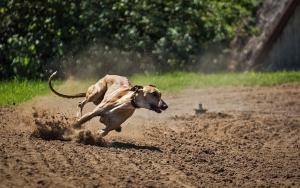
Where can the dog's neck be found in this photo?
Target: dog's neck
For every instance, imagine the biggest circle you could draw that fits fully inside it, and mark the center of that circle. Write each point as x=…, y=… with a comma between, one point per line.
x=132, y=100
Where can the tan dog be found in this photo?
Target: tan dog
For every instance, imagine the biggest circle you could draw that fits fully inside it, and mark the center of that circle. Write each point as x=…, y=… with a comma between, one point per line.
x=116, y=101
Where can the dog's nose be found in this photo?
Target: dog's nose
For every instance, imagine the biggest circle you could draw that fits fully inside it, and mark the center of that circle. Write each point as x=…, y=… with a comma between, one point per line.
x=164, y=106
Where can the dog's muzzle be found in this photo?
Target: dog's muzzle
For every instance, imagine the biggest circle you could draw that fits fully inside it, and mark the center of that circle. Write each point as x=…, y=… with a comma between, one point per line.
x=163, y=106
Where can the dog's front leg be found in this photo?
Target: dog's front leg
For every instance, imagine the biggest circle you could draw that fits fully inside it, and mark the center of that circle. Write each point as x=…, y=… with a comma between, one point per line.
x=114, y=121
x=107, y=129
x=87, y=117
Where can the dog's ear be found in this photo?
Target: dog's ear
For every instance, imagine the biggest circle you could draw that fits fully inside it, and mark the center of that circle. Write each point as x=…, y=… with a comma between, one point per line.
x=136, y=87
x=152, y=85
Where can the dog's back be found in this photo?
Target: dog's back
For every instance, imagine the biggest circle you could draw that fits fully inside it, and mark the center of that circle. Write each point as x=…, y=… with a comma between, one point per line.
x=115, y=87
x=114, y=83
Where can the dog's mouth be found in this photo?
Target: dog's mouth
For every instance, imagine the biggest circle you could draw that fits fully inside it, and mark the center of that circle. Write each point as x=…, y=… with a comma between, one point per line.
x=155, y=109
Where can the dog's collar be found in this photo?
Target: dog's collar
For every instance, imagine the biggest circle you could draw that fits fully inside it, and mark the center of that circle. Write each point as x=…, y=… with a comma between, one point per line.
x=132, y=100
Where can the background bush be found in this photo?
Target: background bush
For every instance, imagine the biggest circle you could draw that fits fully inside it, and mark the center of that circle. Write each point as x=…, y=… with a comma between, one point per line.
x=120, y=37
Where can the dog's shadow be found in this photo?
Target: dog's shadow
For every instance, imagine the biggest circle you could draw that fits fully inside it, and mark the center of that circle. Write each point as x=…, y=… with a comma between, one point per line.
x=133, y=146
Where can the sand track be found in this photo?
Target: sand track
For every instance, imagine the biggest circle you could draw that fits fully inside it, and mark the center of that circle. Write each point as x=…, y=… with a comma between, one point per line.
x=249, y=137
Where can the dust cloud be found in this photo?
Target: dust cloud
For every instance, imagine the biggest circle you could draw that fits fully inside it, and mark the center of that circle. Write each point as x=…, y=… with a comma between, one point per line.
x=93, y=61
x=60, y=127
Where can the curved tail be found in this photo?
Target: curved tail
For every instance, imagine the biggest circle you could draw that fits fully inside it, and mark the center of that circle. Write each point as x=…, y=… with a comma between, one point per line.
x=63, y=95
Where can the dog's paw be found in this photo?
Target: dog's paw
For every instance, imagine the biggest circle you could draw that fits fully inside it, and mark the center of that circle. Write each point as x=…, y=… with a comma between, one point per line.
x=102, y=133
x=119, y=129
x=78, y=115
x=77, y=125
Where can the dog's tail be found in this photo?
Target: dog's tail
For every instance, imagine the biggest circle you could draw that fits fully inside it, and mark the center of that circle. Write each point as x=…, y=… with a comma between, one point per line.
x=63, y=95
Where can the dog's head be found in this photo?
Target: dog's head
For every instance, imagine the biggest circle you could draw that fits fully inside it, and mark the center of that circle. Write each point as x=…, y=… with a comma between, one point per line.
x=149, y=97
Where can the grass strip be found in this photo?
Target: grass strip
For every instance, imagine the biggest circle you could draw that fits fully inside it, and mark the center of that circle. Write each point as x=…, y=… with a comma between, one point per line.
x=180, y=80
x=16, y=92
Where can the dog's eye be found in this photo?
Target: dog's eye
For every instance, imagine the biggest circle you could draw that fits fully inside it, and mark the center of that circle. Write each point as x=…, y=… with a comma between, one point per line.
x=154, y=94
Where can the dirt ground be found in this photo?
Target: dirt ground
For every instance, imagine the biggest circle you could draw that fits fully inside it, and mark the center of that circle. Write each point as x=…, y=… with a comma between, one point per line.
x=249, y=137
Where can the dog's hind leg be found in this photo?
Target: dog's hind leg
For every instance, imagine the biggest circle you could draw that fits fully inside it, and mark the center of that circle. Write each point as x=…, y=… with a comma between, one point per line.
x=95, y=94
x=80, y=107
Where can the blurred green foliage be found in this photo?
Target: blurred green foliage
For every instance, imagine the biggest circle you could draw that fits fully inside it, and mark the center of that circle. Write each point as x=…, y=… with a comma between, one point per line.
x=36, y=36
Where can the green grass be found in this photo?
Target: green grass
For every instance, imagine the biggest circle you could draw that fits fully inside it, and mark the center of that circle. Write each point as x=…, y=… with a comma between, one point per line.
x=16, y=92
x=180, y=80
